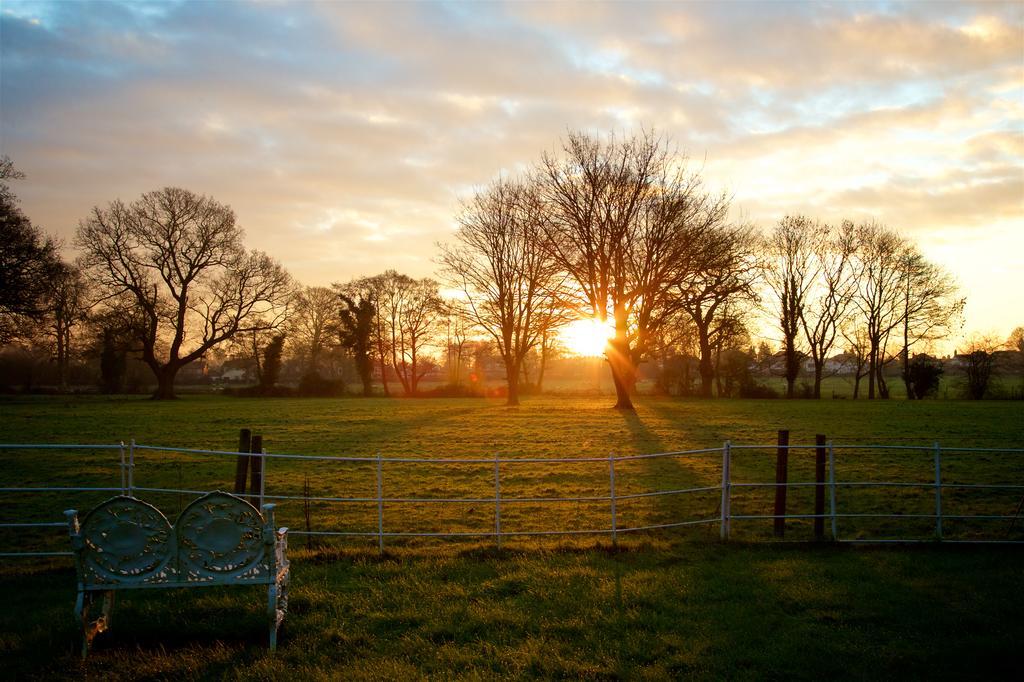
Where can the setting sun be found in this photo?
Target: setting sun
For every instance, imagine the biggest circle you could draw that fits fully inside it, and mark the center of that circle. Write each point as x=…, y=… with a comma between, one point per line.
x=587, y=337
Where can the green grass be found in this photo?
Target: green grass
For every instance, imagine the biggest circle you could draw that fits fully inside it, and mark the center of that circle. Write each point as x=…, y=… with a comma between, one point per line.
x=670, y=604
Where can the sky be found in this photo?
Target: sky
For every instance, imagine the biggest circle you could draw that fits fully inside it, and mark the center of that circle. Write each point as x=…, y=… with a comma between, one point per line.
x=344, y=135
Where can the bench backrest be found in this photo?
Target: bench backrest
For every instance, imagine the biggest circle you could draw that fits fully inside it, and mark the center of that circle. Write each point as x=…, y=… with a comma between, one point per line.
x=218, y=539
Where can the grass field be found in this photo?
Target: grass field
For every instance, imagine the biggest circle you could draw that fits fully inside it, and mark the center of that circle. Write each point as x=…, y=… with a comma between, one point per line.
x=668, y=604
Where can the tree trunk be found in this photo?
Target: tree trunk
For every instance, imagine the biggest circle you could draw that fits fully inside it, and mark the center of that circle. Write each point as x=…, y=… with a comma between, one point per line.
x=165, y=382
x=819, y=366
x=706, y=368
x=792, y=368
x=621, y=361
x=512, y=377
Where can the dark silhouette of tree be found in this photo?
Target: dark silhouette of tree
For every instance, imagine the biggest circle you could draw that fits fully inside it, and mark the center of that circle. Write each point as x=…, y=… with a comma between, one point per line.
x=1016, y=340
x=356, y=317
x=791, y=271
x=499, y=264
x=624, y=218
x=930, y=307
x=28, y=262
x=179, y=257
x=830, y=296
x=721, y=280
x=979, y=366
x=407, y=315
x=313, y=325
x=272, y=364
x=879, y=296
x=67, y=306
x=113, y=363
x=924, y=373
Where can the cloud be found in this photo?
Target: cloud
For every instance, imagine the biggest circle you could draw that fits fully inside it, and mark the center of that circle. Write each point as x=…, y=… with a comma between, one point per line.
x=344, y=134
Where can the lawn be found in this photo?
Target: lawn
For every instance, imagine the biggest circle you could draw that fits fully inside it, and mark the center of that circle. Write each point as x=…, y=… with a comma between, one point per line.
x=667, y=604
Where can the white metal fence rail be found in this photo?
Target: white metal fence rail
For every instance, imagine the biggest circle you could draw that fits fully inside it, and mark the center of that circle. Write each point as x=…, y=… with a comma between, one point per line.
x=722, y=516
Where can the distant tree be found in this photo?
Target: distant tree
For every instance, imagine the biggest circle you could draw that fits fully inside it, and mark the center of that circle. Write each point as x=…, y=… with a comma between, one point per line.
x=499, y=264
x=28, y=262
x=1016, y=340
x=356, y=317
x=179, y=257
x=722, y=279
x=113, y=364
x=313, y=325
x=408, y=312
x=624, y=223
x=858, y=347
x=978, y=367
x=791, y=271
x=830, y=297
x=930, y=307
x=272, y=363
x=67, y=306
x=924, y=372
x=879, y=296
x=457, y=329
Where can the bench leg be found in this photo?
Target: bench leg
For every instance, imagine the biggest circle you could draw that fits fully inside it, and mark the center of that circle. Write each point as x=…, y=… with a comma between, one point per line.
x=277, y=607
x=84, y=605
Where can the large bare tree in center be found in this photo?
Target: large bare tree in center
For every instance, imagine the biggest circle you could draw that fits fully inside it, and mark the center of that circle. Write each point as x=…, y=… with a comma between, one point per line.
x=178, y=258
x=624, y=216
x=500, y=265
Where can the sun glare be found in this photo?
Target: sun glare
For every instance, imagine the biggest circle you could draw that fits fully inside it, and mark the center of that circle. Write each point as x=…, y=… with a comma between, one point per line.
x=587, y=337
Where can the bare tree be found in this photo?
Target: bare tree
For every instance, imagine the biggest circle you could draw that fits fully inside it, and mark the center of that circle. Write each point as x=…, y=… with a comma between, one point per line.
x=830, y=297
x=407, y=314
x=313, y=324
x=68, y=306
x=501, y=267
x=930, y=307
x=1015, y=341
x=879, y=295
x=179, y=257
x=791, y=271
x=457, y=329
x=723, y=277
x=624, y=218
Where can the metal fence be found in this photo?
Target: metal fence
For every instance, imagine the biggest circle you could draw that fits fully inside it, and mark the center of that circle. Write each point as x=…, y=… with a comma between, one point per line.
x=728, y=490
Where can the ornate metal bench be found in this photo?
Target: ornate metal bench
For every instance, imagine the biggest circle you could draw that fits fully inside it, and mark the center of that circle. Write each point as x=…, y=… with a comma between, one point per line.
x=219, y=539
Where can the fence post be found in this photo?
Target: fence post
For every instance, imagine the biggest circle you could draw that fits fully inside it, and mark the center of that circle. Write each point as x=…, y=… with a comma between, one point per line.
x=242, y=466
x=832, y=488
x=380, y=503
x=611, y=477
x=726, y=456
x=819, y=487
x=256, y=474
x=781, y=479
x=124, y=475
x=938, y=492
x=497, y=500
x=131, y=468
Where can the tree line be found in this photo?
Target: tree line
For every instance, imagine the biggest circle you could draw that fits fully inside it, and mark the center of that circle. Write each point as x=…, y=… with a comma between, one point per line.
x=621, y=230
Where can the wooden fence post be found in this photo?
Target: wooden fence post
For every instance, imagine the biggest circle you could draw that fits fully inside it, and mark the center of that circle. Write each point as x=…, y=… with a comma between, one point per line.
x=256, y=475
x=242, y=466
x=781, y=478
x=819, y=488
